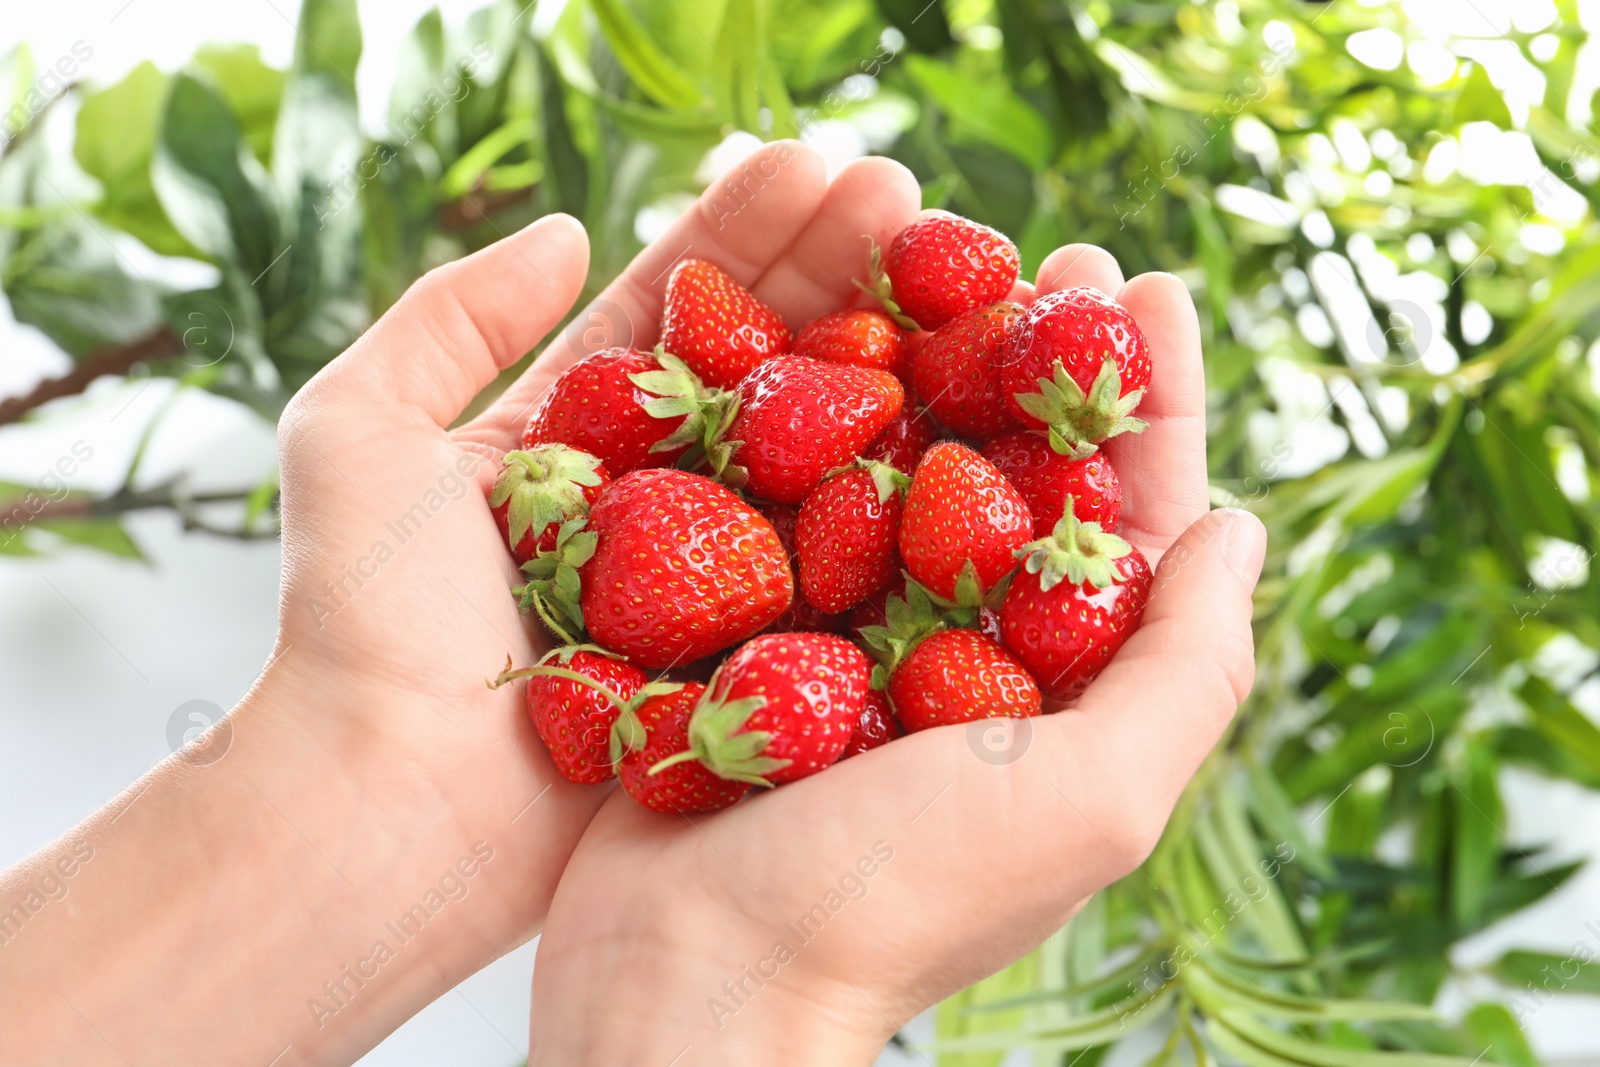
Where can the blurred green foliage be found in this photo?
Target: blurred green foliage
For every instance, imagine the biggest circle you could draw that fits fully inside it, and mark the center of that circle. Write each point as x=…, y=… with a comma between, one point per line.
x=1399, y=361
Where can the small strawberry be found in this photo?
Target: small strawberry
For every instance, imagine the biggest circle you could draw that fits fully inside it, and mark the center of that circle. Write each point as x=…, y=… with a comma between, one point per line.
x=655, y=729
x=716, y=326
x=876, y=728
x=846, y=534
x=683, y=568
x=861, y=337
x=801, y=418
x=1077, y=365
x=955, y=676
x=963, y=522
x=800, y=616
x=940, y=266
x=1047, y=480
x=574, y=696
x=958, y=373
x=538, y=489
x=902, y=442
x=1081, y=593
x=891, y=624
x=782, y=707
x=596, y=406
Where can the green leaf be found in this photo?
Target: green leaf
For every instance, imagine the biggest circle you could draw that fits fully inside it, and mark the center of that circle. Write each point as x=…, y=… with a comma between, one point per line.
x=1480, y=101
x=986, y=111
x=956, y=1017
x=1494, y=1028
x=68, y=281
x=253, y=91
x=647, y=66
x=1549, y=973
x=103, y=534
x=115, y=143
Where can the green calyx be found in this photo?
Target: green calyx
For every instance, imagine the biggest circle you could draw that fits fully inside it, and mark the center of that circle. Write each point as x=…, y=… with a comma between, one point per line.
x=1079, y=422
x=971, y=595
x=880, y=287
x=909, y=619
x=543, y=484
x=628, y=733
x=1077, y=552
x=718, y=739
x=707, y=414
x=886, y=479
x=554, y=587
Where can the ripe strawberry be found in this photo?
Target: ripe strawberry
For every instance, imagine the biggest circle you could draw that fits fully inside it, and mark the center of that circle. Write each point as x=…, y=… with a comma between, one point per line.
x=1047, y=480
x=538, y=489
x=574, y=696
x=845, y=536
x=800, y=616
x=957, y=374
x=682, y=569
x=876, y=728
x=1077, y=364
x=940, y=266
x=657, y=730
x=782, y=707
x=902, y=442
x=963, y=522
x=716, y=326
x=861, y=337
x=1081, y=593
x=801, y=418
x=596, y=406
x=955, y=676
x=891, y=624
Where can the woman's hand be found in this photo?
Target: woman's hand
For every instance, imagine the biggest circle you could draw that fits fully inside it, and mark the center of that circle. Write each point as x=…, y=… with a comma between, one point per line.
x=805, y=925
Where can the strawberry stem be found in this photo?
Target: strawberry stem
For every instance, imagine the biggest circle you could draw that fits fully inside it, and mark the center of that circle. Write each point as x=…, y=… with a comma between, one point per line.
x=1079, y=422
x=1077, y=552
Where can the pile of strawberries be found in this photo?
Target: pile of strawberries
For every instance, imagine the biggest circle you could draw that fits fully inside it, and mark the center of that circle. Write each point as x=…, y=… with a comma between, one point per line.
x=892, y=520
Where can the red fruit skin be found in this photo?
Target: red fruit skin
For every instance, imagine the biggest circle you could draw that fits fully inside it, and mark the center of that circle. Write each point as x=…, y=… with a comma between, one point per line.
x=685, y=788
x=876, y=728
x=574, y=721
x=815, y=685
x=958, y=373
x=861, y=337
x=716, y=326
x=1066, y=635
x=1080, y=327
x=683, y=568
x=535, y=540
x=800, y=615
x=942, y=265
x=955, y=676
x=1045, y=478
x=845, y=539
x=960, y=508
x=594, y=407
x=902, y=442
x=801, y=418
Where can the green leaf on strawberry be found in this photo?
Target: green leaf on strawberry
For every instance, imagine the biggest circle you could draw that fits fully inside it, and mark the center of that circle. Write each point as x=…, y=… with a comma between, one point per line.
x=1078, y=422
x=554, y=587
x=1076, y=552
x=707, y=412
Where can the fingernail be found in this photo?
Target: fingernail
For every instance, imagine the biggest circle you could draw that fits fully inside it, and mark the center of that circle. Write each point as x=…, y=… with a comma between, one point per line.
x=1244, y=544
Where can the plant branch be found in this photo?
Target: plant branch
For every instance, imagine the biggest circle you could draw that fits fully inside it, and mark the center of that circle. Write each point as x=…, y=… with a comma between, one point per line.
x=118, y=360
x=17, y=513
x=478, y=205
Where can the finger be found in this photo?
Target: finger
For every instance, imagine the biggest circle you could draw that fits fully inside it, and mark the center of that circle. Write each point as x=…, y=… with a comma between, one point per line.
x=1160, y=706
x=1073, y=265
x=871, y=200
x=742, y=223
x=1163, y=469
x=461, y=323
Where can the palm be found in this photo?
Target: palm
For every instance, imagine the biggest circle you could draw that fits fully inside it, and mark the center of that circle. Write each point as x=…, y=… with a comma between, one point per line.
x=993, y=848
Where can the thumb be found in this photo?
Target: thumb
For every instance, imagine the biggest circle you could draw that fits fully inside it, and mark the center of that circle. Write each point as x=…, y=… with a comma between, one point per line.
x=1173, y=688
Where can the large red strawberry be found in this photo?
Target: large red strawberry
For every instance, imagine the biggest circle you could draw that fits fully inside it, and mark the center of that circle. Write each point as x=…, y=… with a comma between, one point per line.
x=801, y=418
x=863, y=337
x=655, y=730
x=800, y=615
x=574, y=696
x=1080, y=594
x=717, y=326
x=538, y=489
x=958, y=373
x=782, y=707
x=876, y=728
x=955, y=676
x=683, y=568
x=1077, y=364
x=940, y=266
x=902, y=442
x=596, y=406
x=1047, y=479
x=846, y=535
x=961, y=514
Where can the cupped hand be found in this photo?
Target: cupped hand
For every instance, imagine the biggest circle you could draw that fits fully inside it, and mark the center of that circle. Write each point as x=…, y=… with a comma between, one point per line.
x=806, y=924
